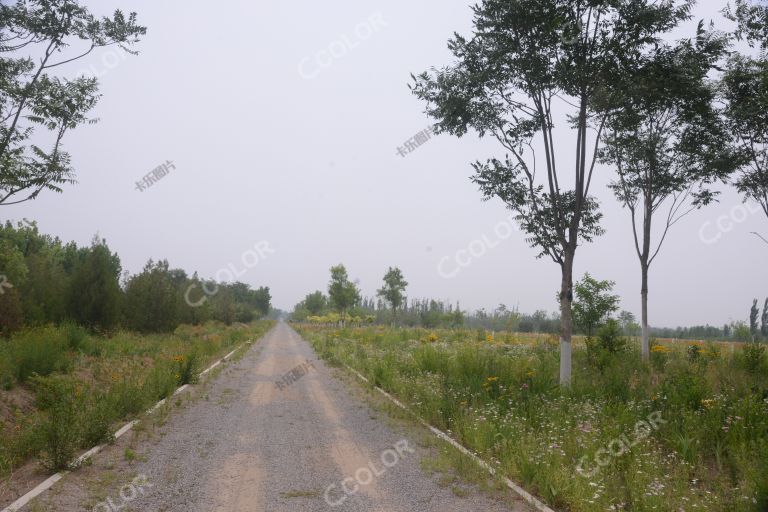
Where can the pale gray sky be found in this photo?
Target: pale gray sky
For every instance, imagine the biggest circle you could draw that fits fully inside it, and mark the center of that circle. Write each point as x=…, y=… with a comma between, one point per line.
x=274, y=141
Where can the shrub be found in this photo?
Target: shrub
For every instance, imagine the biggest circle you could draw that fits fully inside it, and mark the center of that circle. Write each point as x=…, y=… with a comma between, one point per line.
x=40, y=351
x=95, y=423
x=610, y=338
x=60, y=401
x=753, y=356
x=602, y=351
x=75, y=335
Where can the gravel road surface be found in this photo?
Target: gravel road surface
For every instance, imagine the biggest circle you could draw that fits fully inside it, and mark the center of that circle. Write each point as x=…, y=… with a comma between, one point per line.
x=251, y=445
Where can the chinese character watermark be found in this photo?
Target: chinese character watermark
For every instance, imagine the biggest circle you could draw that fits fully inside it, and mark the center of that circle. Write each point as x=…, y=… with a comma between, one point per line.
x=294, y=375
x=158, y=173
x=414, y=142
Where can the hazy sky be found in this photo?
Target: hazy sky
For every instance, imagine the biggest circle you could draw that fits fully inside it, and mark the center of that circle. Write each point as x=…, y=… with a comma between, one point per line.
x=283, y=121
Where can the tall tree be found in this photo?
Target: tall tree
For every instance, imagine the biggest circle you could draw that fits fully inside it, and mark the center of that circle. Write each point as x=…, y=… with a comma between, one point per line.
x=526, y=60
x=392, y=291
x=94, y=294
x=152, y=299
x=665, y=139
x=261, y=299
x=342, y=292
x=764, y=321
x=745, y=91
x=31, y=97
x=754, y=312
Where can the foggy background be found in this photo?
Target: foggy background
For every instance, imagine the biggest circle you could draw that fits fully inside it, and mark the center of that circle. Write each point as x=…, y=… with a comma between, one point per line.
x=272, y=142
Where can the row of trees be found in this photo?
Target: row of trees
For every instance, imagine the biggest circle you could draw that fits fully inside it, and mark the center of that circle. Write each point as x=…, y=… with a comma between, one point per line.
x=344, y=301
x=594, y=306
x=47, y=281
x=635, y=102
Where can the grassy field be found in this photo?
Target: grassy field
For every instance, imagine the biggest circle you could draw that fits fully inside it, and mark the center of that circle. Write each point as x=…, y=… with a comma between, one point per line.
x=687, y=431
x=65, y=390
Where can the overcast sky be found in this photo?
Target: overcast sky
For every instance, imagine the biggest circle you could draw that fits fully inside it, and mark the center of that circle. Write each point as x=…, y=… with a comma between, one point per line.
x=283, y=121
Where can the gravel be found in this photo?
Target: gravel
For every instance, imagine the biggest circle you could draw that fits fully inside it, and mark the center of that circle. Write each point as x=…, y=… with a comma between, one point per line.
x=247, y=444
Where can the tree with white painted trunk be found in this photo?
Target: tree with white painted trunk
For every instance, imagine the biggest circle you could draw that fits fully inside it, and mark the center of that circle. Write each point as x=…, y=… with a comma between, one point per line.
x=526, y=62
x=667, y=143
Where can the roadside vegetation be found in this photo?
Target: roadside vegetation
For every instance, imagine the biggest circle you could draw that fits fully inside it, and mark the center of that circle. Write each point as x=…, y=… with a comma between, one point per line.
x=685, y=430
x=688, y=430
x=65, y=389
x=85, y=346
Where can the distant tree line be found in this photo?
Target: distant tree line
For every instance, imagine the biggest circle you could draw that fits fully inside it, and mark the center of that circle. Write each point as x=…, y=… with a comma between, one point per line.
x=46, y=281
x=594, y=306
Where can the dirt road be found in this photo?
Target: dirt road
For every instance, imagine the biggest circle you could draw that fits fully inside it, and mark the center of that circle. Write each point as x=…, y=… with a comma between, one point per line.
x=251, y=445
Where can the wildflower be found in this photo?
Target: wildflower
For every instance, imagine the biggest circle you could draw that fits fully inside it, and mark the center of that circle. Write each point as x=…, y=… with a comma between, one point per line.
x=489, y=338
x=708, y=403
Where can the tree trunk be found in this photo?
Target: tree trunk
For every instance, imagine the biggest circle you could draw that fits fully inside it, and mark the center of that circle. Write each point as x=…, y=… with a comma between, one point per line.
x=645, y=263
x=644, y=315
x=566, y=319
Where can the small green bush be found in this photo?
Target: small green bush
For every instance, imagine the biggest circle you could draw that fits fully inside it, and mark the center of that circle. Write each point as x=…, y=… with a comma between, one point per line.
x=75, y=336
x=610, y=338
x=754, y=354
x=60, y=401
x=40, y=351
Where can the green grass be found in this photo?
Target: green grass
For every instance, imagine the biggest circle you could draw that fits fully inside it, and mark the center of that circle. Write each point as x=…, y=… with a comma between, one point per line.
x=500, y=398
x=84, y=386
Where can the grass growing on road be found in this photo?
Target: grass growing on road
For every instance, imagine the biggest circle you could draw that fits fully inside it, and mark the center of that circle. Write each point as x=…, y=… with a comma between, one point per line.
x=65, y=390
x=688, y=431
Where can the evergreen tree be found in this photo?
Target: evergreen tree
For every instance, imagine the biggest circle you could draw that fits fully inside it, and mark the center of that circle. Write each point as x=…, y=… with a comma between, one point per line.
x=764, y=323
x=152, y=299
x=94, y=293
x=753, y=314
